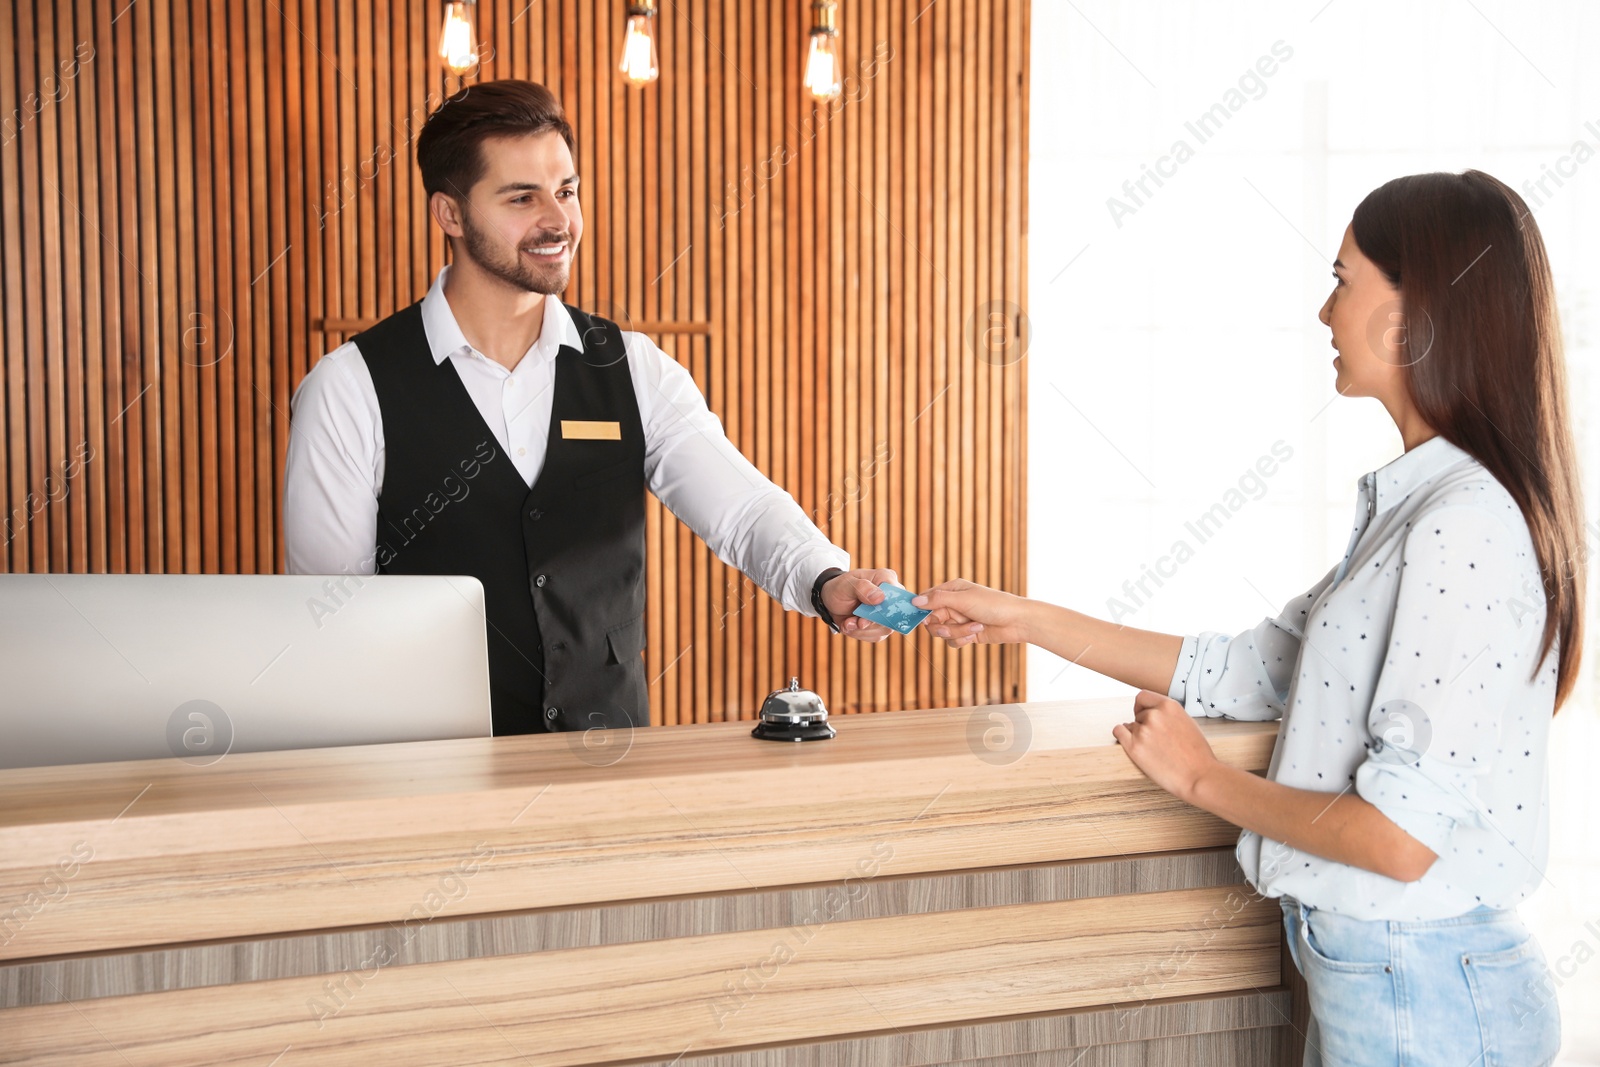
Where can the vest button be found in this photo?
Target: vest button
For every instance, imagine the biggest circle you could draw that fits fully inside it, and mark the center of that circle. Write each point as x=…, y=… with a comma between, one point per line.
x=535, y=514
x=539, y=581
x=551, y=713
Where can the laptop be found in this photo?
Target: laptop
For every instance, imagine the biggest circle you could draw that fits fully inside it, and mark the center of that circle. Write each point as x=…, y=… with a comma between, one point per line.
x=97, y=667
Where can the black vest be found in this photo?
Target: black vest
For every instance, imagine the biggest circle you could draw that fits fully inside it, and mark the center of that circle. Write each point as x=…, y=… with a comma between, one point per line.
x=562, y=563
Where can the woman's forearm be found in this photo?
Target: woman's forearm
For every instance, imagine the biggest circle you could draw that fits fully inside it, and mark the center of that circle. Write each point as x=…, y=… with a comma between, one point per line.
x=1336, y=826
x=1166, y=744
x=1141, y=658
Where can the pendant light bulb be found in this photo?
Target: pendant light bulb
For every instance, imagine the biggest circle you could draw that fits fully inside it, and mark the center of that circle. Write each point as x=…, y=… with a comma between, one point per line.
x=638, y=64
x=458, y=43
x=822, y=51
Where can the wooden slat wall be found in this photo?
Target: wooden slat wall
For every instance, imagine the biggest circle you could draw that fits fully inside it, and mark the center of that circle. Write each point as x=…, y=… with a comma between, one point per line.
x=201, y=198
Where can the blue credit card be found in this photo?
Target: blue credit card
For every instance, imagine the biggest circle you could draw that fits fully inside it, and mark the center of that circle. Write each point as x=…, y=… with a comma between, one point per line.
x=896, y=612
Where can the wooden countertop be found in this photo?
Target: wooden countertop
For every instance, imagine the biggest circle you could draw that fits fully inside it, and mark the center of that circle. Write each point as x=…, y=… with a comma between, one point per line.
x=162, y=851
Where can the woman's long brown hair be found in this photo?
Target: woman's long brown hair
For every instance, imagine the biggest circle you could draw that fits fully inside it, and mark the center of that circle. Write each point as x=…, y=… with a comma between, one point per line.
x=1479, y=307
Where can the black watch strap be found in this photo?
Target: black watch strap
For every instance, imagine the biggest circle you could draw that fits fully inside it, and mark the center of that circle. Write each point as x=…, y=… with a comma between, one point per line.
x=816, y=596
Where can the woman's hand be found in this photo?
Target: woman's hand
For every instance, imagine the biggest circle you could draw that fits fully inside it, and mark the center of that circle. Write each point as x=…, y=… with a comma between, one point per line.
x=965, y=612
x=1164, y=742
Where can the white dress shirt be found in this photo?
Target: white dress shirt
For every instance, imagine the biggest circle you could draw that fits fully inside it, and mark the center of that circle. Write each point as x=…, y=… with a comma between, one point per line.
x=1407, y=674
x=334, y=472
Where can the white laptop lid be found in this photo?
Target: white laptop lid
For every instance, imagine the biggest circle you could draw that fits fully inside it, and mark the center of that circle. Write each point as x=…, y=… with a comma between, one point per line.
x=100, y=667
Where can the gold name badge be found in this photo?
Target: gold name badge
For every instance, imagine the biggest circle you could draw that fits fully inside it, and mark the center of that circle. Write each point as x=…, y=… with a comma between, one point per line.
x=591, y=431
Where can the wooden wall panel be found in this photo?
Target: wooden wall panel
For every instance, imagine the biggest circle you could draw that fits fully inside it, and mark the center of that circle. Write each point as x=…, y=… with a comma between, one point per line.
x=199, y=199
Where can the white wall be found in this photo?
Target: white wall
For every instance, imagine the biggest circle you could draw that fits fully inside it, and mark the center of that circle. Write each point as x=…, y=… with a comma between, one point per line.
x=1173, y=347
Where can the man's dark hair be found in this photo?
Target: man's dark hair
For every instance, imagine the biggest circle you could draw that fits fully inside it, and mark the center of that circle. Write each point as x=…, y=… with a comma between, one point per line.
x=449, y=148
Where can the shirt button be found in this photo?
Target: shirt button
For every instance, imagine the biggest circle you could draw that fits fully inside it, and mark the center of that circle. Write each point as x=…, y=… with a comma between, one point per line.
x=522, y=451
x=539, y=581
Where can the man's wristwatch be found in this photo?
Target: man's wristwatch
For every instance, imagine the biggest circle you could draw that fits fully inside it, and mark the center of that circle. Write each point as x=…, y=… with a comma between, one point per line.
x=816, y=596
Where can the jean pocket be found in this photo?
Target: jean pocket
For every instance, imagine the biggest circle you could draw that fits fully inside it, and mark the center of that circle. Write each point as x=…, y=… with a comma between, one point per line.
x=1352, y=1000
x=1515, y=1000
x=1335, y=954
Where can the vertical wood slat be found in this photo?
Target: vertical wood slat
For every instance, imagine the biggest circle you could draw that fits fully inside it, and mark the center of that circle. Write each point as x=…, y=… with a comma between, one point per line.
x=234, y=174
x=760, y=353
x=219, y=534
x=132, y=342
x=702, y=269
x=13, y=454
x=92, y=500
x=52, y=353
x=848, y=396
x=73, y=538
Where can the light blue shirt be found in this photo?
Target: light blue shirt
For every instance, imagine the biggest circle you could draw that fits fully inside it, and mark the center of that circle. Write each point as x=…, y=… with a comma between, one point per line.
x=1407, y=675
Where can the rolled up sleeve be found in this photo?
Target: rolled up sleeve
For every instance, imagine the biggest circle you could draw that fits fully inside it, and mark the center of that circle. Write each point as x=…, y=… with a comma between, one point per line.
x=1245, y=675
x=1459, y=654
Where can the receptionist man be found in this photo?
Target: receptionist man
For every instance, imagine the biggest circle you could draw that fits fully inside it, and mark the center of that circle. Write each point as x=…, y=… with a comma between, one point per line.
x=491, y=430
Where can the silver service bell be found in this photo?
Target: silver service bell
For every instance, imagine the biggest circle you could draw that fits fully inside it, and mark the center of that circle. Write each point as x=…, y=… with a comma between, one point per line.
x=793, y=714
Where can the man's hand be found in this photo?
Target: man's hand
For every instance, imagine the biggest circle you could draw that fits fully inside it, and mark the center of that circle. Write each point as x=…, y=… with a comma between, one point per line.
x=845, y=592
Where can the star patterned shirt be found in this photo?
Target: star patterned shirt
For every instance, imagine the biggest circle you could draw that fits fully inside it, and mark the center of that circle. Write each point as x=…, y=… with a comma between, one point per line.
x=1408, y=675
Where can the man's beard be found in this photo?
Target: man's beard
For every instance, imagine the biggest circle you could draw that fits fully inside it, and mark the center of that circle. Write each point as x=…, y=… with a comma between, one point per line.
x=489, y=251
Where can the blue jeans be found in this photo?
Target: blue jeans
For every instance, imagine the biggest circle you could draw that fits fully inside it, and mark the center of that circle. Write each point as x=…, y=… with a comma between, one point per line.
x=1472, y=991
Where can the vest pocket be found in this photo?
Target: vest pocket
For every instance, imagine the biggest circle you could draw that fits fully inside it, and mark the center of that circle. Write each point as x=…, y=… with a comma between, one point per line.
x=626, y=641
x=606, y=474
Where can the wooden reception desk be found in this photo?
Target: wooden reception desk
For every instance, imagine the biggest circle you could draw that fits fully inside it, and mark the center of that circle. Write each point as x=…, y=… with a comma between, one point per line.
x=995, y=885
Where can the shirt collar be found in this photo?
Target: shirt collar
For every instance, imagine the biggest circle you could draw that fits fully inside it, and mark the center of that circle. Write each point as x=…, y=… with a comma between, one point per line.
x=1398, y=479
x=445, y=338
